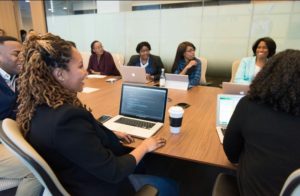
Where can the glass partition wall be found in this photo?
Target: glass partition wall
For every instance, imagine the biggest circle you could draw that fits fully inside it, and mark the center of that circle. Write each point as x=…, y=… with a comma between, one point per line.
x=221, y=30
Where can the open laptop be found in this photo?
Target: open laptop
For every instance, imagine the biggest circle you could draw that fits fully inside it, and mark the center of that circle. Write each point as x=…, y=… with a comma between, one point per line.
x=235, y=88
x=177, y=81
x=142, y=111
x=133, y=74
x=226, y=104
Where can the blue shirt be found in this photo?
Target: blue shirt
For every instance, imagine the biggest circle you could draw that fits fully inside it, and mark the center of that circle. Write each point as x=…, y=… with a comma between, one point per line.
x=194, y=72
x=246, y=71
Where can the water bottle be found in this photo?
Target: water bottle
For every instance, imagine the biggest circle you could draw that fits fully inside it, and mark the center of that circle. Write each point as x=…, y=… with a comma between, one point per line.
x=162, y=79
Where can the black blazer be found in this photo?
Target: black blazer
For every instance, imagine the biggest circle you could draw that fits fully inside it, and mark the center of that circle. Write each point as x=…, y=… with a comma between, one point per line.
x=87, y=158
x=154, y=61
x=8, y=99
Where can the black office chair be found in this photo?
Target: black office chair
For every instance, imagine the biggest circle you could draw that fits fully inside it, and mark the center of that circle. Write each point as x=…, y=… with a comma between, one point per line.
x=226, y=185
x=291, y=186
x=12, y=138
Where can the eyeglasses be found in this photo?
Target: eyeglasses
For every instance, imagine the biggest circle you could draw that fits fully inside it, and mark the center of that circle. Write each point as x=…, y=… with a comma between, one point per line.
x=190, y=50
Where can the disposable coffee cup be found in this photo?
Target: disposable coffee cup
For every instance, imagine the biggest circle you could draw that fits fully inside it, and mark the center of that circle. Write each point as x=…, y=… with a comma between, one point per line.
x=175, y=116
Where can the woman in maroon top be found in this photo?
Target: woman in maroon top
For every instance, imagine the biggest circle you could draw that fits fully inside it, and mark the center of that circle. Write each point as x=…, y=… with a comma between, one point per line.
x=101, y=61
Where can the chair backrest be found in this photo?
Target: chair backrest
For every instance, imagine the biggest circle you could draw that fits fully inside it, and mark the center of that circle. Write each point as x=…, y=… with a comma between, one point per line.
x=12, y=138
x=118, y=59
x=85, y=58
x=203, y=69
x=234, y=67
x=291, y=186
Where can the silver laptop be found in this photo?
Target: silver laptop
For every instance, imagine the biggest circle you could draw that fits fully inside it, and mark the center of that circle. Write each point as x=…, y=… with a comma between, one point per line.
x=235, y=88
x=142, y=111
x=133, y=74
x=226, y=104
x=177, y=81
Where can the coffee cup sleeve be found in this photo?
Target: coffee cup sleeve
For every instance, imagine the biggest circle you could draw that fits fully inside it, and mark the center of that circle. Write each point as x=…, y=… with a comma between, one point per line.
x=175, y=122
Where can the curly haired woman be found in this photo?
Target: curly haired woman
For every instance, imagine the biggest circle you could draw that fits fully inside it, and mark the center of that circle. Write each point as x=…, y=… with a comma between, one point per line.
x=264, y=130
x=87, y=158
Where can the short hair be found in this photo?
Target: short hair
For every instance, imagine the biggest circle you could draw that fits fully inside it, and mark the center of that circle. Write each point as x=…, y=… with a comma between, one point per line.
x=7, y=38
x=92, y=46
x=278, y=83
x=22, y=31
x=141, y=45
x=271, y=45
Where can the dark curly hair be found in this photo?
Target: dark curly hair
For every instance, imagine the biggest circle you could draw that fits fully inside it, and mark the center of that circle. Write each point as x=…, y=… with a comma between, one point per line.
x=40, y=55
x=278, y=83
x=271, y=45
x=141, y=45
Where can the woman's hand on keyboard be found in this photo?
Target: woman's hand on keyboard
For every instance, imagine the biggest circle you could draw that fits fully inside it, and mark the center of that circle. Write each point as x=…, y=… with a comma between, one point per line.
x=124, y=137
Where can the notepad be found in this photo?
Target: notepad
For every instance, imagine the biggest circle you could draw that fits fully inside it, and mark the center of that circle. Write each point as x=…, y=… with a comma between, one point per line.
x=96, y=76
x=89, y=90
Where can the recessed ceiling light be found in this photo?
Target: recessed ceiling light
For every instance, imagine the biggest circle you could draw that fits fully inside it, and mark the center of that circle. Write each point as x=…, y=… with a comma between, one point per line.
x=65, y=8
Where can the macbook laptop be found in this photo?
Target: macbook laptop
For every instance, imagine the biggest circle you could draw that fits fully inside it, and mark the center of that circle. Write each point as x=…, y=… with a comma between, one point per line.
x=133, y=74
x=177, y=81
x=226, y=104
x=142, y=111
x=235, y=88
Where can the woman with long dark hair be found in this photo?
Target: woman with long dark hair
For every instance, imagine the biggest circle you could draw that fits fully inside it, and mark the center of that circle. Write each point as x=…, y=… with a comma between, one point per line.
x=186, y=63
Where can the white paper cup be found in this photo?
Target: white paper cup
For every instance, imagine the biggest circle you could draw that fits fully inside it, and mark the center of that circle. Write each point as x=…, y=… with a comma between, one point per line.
x=175, y=117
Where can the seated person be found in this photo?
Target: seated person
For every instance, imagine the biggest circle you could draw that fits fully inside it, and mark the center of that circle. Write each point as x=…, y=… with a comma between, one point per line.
x=101, y=61
x=10, y=166
x=263, y=49
x=87, y=158
x=152, y=63
x=263, y=133
x=186, y=63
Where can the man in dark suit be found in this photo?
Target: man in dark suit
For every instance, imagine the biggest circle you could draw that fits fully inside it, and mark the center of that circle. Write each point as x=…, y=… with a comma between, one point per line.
x=9, y=68
x=10, y=166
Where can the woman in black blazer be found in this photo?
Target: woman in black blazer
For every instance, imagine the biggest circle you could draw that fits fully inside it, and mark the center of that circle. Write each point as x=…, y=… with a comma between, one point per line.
x=152, y=63
x=87, y=158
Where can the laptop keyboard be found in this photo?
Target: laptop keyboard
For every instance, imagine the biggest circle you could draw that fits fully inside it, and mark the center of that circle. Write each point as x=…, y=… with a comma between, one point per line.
x=135, y=123
x=223, y=130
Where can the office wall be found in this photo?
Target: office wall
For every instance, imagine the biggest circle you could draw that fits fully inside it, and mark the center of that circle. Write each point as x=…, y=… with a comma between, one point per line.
x=8, y=18
x=221, y=33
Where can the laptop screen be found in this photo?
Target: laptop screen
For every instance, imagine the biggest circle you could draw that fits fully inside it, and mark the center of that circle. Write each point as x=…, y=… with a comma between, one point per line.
x=226, y=106
x=148, y=103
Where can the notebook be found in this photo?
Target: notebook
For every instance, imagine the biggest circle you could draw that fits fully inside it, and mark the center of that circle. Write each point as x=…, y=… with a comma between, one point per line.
x=226, y=104
x=142, y=111
x=133, y=74
x=235, y=88
x=177, y=81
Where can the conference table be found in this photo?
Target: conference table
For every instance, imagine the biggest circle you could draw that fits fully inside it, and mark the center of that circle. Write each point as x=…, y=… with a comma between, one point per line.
x=197, y=141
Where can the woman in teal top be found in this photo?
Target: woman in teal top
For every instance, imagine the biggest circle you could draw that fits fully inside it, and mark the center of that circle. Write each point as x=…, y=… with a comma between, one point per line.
x=263, y=49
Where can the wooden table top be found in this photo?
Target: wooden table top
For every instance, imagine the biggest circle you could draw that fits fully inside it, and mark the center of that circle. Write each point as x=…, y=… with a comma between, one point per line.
x=197, y=141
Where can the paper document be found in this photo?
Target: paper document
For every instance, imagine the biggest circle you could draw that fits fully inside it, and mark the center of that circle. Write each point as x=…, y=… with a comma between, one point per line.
x=96, y=76
x=89, y=90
